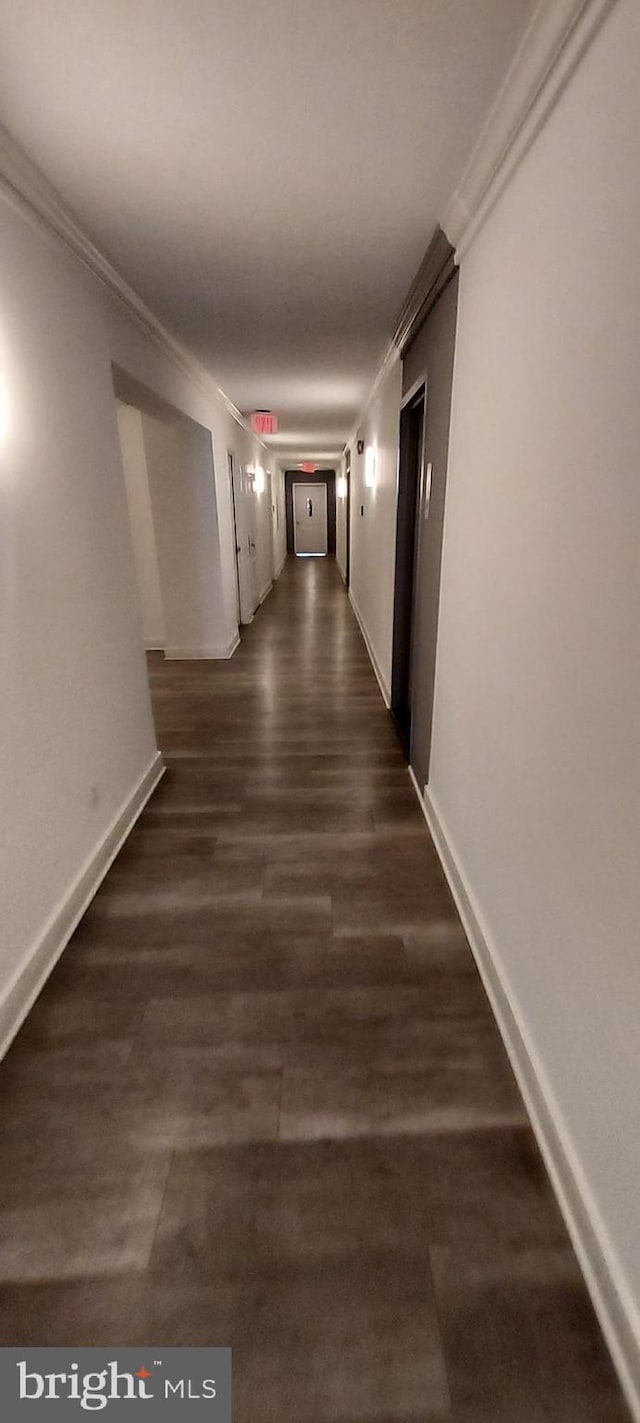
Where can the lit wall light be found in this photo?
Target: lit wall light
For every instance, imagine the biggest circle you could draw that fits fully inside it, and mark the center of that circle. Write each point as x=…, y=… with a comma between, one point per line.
x=342, y=487
x=370, y=466
x=259, y=480
x=4, y=408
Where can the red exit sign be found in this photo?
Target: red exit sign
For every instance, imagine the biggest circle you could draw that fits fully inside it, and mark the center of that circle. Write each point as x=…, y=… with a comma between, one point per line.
x=263, y=422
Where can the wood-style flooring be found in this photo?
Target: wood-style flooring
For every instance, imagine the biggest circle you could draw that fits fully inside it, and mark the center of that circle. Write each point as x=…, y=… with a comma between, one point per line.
x=262, y=1100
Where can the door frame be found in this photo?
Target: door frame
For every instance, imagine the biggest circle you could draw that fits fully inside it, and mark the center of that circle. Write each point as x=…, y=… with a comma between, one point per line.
x=410, y=511
x=327, y=476
x=320, y=485
x=236, y=539
x=243, y=522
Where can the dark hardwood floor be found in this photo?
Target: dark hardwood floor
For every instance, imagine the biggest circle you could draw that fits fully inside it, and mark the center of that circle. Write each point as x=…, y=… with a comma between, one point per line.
x=262, y=1100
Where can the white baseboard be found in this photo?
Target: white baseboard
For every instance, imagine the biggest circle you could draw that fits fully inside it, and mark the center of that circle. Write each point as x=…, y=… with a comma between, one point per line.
x=32, y=974
x=382, y=681
x=209, y=652
x=279, y=570
x=266, y=592
x=615, y=1309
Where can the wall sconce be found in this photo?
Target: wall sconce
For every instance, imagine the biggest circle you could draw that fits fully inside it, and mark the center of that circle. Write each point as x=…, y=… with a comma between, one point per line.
x=342, y=487
x=4, y=408
x=259, y=480
x=370, y=467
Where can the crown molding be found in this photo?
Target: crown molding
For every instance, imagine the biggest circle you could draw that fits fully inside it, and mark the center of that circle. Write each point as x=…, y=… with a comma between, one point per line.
x=553, y=45
x=26, y=188
x=431, y=277
x=434, y=272
x=557, y=37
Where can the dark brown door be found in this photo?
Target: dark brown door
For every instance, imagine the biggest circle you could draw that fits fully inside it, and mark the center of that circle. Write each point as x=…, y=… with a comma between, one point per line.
x=431, y=354
x=407, y=534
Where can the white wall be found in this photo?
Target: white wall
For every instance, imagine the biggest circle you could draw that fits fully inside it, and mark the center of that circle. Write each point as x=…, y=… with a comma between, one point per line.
x=143, y=359
x=536, y=749
x=373, y=535
x=280, y=525
x=77, y=733
x=341, y=521
x=180, y=468
x=78, y=740
x=136, y=478
x=248, y=451
x=263, y=524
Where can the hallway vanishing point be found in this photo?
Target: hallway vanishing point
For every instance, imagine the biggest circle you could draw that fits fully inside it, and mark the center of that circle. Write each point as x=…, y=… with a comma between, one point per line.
x=262, y=1100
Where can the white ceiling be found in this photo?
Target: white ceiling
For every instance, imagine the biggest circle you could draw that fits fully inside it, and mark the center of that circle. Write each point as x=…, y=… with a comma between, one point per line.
x=266, y=173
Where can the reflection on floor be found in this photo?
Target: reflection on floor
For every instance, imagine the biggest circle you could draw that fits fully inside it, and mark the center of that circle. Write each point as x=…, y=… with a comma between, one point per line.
x=262, y=1100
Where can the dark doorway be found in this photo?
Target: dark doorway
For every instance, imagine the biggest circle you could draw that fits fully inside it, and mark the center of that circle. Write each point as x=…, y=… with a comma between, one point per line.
x=409, y=490
x=428, y=363
x=320, y=476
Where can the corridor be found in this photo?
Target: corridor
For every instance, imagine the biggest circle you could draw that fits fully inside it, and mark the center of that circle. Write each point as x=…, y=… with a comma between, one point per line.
x=262, y=1101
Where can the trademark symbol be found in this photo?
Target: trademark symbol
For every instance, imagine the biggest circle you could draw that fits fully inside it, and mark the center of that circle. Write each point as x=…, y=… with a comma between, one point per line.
x=157, y=1363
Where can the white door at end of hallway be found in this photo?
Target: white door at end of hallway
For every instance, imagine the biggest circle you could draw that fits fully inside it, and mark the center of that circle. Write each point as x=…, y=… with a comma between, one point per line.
x=310, y=519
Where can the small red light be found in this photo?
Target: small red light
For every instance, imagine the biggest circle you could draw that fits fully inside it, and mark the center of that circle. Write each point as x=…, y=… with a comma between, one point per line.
x=308, y=468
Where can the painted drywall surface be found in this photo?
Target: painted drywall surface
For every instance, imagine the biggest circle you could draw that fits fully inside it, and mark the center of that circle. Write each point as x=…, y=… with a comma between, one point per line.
x=77, y=729
x=77, y=732
x=373, y=534
x=180, y=470
x=280, y=522
x=536, y=752
x=263, y=524
x=132, y=350
x=248, y=453
x=341, y=521
x=136, y=478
